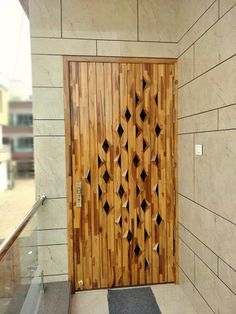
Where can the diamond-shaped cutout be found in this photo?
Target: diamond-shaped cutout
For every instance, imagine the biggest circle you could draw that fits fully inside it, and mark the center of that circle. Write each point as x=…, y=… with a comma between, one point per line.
x=125, y=174
x=136, y=160
x=105, y=146
x=158, y=219
x=88, y=177
x=144, y=84
x=127, y=115
x=118, y=160
x=125, y=146
x=137, y=100
x=156, y=189
x=155, y=159
x=137, y=250
x=106, y=207
x=143, y=175
x=121, y=191
x=143, y=115
x=99, y=192
x=138, y=220
x=138, y=131
x=129, y=236
x=144, y=205
x=126, y=205
x=100, y=161
x=156, y=248
x=145, y=145
x=157, y=130
x=146, y=235
x=106, y=176
x=120, y=130
x=156, y=99
x=119, y=221
x=137, y=190
x=146, y=264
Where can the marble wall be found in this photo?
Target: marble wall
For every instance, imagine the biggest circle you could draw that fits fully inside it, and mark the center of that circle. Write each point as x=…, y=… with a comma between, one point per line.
x=207, y=198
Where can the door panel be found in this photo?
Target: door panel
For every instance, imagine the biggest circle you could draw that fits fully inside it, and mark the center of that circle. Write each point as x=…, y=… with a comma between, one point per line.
x=122, y=153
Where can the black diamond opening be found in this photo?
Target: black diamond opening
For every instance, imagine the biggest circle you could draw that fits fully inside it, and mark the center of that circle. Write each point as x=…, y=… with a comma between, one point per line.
x=121, y=191
x=138, y=220
x=126, y=146
x=144, y=205
x=143, y=115
x=144, y=84
x=138, y=131
x=159, y=219
x=120, y=130
x=146, y=263
x=120, y=222
x=119, y=161
x=127, y=115
x=156, y=160
x=157, y=248
x=99, y=161
x=137, y=250
x=136, y=99
x=105, y=146
x=137, y=190
x=129, y=236
x=156, y=99
x=157, y=189
x=88, y=177
x=143, y=175
x=157, y=130
x=99, y=192
x=106, y=176
x=127, y=176
x=136, y=160
x=106, y=207
x=144, y=145
x=145, y=234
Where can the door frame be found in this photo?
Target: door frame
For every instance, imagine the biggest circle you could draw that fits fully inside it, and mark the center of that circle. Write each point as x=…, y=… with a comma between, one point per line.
x=69, y=148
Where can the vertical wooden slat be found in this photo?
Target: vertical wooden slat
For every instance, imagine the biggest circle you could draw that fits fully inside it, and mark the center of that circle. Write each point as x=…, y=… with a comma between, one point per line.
x=76, y=166
x=139, y=182
x=124, y=169
x=147, y=181
x=161, y=142
x=101, y=170
x=154, y=174
x=85, y=170
x=132, y=173
x=110, y=169
x=117, y=173
x=94, y=175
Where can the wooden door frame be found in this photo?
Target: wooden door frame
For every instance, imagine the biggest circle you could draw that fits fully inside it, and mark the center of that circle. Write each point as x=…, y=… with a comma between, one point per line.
x=68, y=149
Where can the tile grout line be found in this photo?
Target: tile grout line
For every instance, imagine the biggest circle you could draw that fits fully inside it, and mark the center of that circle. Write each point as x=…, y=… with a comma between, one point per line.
x=233, y=223
x=208, y=131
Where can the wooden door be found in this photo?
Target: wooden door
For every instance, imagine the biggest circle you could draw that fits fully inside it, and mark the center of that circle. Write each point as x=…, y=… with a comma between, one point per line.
x=122, y=140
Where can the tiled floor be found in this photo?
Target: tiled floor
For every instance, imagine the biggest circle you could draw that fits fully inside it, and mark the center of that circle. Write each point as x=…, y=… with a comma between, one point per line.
x=170, y=298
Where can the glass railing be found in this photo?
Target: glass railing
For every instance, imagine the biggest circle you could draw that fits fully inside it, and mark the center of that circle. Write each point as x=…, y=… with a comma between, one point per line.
x=21, y=283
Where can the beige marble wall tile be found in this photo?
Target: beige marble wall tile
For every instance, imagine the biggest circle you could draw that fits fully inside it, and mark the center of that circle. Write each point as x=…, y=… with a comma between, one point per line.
x=185, y=67
x=45, y=18
x=199, y=248
x=186, y=165
x=52, y=237
x=47, y=71
x=204, y=22
x=53, y=260
x=214, y=182
x=199, y=304
x=63, y=46
x=219, y=297
x=222, y=36
x=225, y=5
x=52, y=214
x=202, y=122
x=136, y=49
x=55, y=278
x=186, y=260
x=157, y=20
x=215, y=232
x=213, y=89
x=50, y=166
x=228, y=275
x=49, y=127
x=227, y=117
x=97, y=19
x=48, y=103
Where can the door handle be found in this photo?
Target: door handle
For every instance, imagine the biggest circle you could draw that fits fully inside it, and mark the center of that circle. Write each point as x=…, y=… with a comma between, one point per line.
x=79, y=193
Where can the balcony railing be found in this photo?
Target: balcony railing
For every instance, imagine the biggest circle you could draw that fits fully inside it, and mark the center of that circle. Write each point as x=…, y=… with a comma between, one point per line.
x=20, y=272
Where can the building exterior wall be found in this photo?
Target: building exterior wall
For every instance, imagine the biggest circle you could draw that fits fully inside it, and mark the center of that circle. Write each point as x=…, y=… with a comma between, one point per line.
x=206, y=116
x=207, y=199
